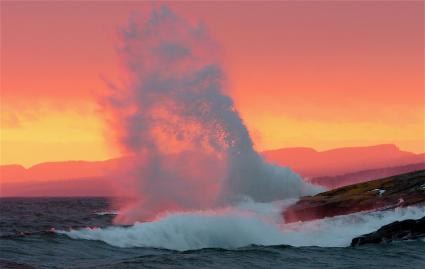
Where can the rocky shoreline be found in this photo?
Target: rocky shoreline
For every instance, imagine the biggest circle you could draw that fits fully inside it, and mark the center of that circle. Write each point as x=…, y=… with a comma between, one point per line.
x=381, y=194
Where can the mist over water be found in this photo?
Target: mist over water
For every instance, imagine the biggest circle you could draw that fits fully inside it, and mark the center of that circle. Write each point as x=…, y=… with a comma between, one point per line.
x=190, y=149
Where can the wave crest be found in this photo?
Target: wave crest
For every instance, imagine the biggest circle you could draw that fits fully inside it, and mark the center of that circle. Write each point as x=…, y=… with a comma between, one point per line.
x=248, y=224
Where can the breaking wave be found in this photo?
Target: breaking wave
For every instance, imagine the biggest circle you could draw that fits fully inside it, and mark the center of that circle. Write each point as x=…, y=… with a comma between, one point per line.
x=249, y=223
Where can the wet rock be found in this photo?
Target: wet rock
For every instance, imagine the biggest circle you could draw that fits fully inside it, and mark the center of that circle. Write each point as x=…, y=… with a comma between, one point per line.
x=396, y=231
x=386, y=193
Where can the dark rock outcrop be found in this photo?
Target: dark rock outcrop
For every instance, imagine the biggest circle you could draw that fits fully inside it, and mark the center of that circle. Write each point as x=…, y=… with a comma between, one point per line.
x=396, y=191
x=398, y=230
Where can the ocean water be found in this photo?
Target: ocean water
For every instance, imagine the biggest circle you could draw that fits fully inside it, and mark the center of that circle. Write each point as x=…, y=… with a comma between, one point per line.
x=79, y=233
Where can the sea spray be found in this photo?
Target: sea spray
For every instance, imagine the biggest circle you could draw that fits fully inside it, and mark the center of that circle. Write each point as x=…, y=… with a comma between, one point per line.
x=189, y=147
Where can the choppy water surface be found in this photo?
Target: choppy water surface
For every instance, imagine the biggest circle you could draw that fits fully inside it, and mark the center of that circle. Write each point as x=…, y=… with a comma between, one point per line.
x=54, y=233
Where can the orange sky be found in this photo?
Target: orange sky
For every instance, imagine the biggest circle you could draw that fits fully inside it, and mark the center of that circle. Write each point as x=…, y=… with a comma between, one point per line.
x=315, y=74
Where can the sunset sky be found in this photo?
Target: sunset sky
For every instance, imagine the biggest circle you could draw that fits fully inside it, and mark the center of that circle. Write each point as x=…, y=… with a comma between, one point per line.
x=311, y=74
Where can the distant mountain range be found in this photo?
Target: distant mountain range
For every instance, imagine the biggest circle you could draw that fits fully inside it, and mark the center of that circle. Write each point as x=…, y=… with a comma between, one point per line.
x=331, y=168
x=311, y=163
x=333, y=182
x=55, y=171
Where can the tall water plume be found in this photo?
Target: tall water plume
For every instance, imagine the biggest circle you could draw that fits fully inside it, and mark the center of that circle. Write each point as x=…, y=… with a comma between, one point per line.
x=189, y=147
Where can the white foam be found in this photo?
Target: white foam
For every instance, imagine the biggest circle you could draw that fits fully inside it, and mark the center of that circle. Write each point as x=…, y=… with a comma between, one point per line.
x=379, y=191
x=250, y=223
x=101, y=213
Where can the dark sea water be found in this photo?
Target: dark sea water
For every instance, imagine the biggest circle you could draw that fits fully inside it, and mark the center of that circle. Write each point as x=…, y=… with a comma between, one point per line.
x=28, y=239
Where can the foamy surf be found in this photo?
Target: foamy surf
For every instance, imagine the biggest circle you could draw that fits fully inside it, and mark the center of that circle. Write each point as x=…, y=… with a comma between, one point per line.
x=244, y=225
x=102, y=213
